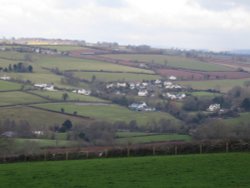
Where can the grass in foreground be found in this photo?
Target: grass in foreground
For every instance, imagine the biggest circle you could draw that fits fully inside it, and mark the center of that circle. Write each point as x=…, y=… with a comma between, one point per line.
x=209, y=170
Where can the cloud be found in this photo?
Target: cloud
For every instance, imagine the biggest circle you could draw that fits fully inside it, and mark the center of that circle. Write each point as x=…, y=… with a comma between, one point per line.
x=180, y=23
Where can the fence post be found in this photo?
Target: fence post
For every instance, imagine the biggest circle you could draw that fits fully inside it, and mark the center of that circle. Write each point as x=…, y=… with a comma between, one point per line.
x=153, y=150
x=67, y=155
x=200, y=148
x=87, y=154
x=175, y=150
x=227, y=148
x=106, y=153
x=45, y=156
x=128, y=151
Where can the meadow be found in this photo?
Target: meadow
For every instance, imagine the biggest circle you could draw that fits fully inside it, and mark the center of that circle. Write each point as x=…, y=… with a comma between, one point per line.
x=68, y=63
x=57, y=95
x=152, y=138
x=108, y=112
x=8, y=86
x=171, y=61
x=222, y=85
x=18, y=97
x=63, y=47
x=38, y=119
x=228, y=170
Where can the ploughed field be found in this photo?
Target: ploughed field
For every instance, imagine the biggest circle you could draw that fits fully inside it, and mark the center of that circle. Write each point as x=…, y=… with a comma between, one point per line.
x=207, y=170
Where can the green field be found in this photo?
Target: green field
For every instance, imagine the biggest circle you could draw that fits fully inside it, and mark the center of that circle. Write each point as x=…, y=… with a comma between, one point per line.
x=7, y=86
x=38, y=119
x=109, y=112
x=57, y=95
x=63, y=47
x=153, y=138
x=103, y=76
x=222, y=85
x=45, y=143
x=204, y=94
x=68, y=63
x=206, y=171
x=18, y=97
x=242, y=119
x=171, y=61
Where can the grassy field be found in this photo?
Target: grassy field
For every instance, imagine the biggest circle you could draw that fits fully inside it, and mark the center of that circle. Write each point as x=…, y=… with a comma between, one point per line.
x=67, y=63
x=222, y=85
x=7, y=86
x=171, y=61
x=18, y=97
x=109, y=112
x=153, y=138
x=115, y=76
x=63, y=47
x=45, y=143
x=204, y=94
x=242, y=119
x=207, y=171
x=38, y=119
x=57, y=95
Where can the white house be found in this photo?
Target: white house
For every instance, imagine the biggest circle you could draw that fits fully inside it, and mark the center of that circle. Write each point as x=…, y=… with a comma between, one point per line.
x=41, y=85
x=82, y=91
x=166, y=83
x=142, y=93
x=5, y=77
x=158, y=81
x=172, y=78
x=213, y=107
x=124, y=84
x=108, y=86
x=49, y=88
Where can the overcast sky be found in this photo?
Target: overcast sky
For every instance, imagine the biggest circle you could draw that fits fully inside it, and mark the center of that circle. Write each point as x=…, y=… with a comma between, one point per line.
x=199, y=24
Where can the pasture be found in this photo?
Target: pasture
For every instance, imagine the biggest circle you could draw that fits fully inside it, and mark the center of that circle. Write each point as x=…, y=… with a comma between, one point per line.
x=171, y=61
x=106, y=76
x=63, y=47
x=18, y=97
x=38, y=119
x=57, y=95
x=7, y=86
x=139, y=139
x=207, y=170
x=68, y=63
x=221, y=85
x=108, y=112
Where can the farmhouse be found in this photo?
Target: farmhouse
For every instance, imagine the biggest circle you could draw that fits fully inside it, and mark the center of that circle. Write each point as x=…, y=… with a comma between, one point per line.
x=82, y=91
x=213, y=108
x=5, y=77
x=40, y=85
x=141, y=107
x=124, y=84
x=172, y=78
x=143, y=93
x=49, y=87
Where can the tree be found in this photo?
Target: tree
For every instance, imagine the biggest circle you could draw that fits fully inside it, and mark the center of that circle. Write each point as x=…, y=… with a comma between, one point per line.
x=62, y=110
x=65, y=96
x=66, y=126
x=93, y=78
x=30, y=68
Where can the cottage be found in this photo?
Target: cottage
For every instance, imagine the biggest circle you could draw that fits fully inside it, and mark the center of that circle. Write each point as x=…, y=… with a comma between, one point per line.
x=49, y=87
x=166, y=83
x=5, y=78
x=213, y=107
x=40, y=85
x=158, y=81
x=143, y=93
x=108, y=86
x=172, y=78
x=121, y=84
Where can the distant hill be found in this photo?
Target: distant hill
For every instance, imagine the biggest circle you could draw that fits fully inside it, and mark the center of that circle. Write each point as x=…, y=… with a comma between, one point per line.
x=241, y=52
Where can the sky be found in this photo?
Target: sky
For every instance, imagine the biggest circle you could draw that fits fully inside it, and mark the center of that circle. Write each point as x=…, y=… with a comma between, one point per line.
x=189, y=24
